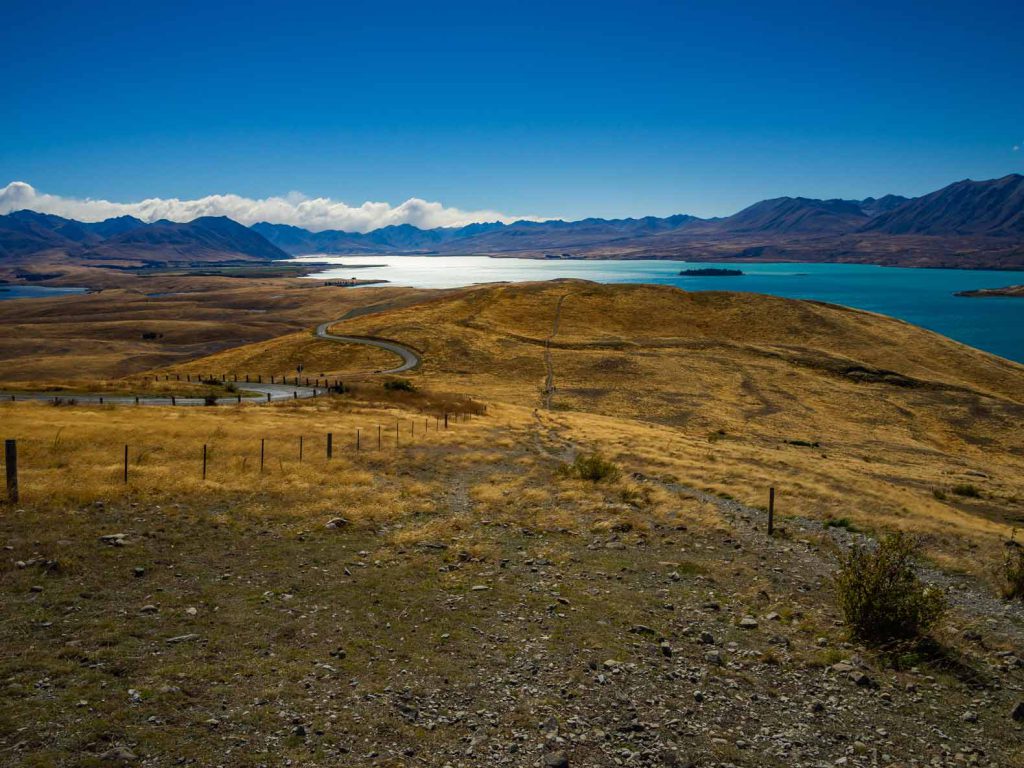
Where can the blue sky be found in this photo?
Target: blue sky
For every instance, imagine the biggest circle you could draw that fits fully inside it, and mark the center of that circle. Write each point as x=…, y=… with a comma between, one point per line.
x=552, y=109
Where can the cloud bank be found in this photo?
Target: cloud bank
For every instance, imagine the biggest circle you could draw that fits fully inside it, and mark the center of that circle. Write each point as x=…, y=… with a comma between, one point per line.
x=315, y=214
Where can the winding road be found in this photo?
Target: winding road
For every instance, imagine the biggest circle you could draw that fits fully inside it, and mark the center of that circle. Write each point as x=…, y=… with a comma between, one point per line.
x=410, y=359
x=267, y=393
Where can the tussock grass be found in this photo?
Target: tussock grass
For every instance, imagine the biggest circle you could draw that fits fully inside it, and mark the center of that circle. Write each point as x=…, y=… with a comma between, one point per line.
x=74, y=455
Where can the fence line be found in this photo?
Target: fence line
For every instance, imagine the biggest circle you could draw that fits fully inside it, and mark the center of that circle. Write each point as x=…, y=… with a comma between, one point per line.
x=12, y=464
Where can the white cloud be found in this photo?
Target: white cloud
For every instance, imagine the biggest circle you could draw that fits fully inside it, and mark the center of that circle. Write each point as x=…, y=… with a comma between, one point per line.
x=1016, y=147
x=315, y=214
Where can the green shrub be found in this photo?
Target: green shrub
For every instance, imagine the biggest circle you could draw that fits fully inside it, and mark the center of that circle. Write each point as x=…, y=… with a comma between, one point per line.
x=968, y=490
x=399, y=385
x=881, y=598
x=592, y=466
x=1013, y=569
x=939, y=494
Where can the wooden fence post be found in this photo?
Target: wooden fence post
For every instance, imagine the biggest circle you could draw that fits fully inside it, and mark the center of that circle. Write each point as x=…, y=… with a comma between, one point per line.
x=263, y=441
x=330, y=444
x=396, y=434
x=204, y=461
x=300, y=448
x=378, y=437
x=357, y=439
x=771, y=511
x=126, y=463
x=11, y=459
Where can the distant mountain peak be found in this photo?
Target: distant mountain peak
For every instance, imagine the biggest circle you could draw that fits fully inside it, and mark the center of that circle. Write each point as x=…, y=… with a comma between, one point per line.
x=990, y=208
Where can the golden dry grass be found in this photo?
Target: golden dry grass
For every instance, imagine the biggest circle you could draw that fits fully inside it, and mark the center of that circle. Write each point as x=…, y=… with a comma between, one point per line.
x=848, y=414
x=100, y=335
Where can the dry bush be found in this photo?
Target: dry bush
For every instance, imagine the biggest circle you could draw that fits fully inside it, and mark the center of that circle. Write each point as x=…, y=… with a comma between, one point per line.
x=590, y=466
x=880, y=595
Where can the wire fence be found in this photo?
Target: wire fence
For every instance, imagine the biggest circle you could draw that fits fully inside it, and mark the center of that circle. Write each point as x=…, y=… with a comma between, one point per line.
x=37, y=466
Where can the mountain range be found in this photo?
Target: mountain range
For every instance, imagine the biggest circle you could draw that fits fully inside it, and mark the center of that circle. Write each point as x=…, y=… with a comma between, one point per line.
x=977, y=224
x=203, y=240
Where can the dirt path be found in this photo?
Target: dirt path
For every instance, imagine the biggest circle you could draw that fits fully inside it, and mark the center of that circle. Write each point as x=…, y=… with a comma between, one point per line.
x=549, y=381
x=797, y=558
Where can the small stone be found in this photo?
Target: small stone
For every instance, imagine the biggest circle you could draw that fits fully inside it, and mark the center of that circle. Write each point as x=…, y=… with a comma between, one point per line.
x=114, y=539
x=773, y=616
x=748, y=622
x=969, y=716
x=182, y=639
x=149, y=609
x=641, y=629
x=36, y=588
x=706, y=638
x=698, y=696
x=139, y=572
x=666, y=648
x=336, y=522
x=713, y=657
x=479, y=588
x=556, y=760
x=1017, y=713
x=118, y=755
x=861, y=680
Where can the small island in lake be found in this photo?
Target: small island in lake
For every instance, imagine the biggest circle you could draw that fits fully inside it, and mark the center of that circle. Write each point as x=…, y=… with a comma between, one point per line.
x=1016, y=291
x=711, y=272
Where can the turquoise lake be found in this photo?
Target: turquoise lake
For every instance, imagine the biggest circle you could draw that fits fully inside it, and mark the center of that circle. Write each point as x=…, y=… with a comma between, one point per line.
x=920, y=296
x=34, y=291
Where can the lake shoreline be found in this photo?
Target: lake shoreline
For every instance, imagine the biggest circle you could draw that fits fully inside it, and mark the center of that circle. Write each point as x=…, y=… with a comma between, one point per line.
x=923, y=297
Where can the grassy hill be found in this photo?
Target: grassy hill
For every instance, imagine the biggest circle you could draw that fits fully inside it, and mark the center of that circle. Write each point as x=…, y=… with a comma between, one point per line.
x=458, y=597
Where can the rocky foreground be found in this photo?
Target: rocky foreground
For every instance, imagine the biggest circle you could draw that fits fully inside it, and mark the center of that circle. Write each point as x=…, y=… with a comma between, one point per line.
x=193, y=635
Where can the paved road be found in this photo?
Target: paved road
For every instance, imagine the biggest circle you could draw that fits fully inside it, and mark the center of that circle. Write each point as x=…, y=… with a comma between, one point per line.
x=410, y=359
x=267, y=392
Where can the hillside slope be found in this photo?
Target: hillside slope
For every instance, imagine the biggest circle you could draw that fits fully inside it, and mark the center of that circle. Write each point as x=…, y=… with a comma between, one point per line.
x=397, y=575
x=837, y=402
x=994, y=208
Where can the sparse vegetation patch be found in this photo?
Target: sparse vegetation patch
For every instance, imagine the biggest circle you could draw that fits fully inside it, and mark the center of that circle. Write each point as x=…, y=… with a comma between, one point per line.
x=591, y=466
x=880, y=595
